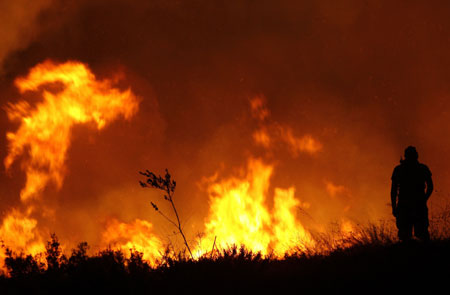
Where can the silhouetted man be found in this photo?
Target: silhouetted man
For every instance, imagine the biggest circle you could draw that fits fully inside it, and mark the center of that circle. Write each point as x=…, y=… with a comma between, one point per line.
x=411, y=188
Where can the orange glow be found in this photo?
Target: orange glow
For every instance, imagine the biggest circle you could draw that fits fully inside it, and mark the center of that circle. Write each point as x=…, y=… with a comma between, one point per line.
x=347, y=228
x=239, y=214
x=258, y=108
x=333, y=189
x=305, y=143
x=270, y=132
x=43, y=136
x=262, y=138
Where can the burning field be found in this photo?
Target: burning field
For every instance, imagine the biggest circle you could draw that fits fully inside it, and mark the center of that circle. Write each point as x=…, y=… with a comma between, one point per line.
x=280, y=122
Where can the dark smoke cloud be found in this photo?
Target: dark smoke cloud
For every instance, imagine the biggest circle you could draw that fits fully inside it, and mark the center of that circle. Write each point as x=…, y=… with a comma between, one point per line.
x=364, y=78
x=17, y=25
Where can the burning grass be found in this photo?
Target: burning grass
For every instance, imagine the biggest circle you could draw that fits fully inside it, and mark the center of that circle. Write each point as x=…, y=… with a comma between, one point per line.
x=368, y=255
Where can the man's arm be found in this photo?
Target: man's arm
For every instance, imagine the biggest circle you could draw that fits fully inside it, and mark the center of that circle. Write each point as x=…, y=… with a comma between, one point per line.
x=394, y=192
x=430, y=187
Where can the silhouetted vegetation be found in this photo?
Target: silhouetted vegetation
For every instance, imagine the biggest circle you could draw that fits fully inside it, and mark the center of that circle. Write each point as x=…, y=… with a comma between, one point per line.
x=367, y=261
x=168, y=185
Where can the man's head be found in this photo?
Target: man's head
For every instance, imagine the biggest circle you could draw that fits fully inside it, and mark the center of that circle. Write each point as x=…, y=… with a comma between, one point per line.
x=411, y=154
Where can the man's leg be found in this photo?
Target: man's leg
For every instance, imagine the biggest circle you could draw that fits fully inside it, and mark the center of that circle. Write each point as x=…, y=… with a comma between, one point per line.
x=404, y=226
x=421, y=224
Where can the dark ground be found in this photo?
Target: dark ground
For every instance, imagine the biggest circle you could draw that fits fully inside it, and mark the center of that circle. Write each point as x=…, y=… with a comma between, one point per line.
x=364, y=269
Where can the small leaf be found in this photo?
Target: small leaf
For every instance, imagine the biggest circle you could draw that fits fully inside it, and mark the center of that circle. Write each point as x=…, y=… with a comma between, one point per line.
x=154, y=206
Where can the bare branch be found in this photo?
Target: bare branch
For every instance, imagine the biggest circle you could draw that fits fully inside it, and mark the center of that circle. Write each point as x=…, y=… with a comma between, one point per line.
x=168, y=185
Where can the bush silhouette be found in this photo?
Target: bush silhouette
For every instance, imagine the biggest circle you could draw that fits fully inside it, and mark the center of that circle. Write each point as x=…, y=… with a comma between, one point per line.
x=373, y=260
x=21, y=265
x=56, y=261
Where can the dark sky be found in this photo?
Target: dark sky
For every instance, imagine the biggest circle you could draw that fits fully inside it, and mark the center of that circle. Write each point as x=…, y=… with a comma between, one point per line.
x=363, y=78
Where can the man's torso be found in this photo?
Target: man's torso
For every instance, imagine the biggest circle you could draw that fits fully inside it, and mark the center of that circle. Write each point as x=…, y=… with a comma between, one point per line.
x=411, y=180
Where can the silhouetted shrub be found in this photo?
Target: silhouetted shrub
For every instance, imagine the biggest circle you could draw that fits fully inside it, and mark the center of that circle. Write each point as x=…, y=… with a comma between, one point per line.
x=79, y=254
x=136, y=264
x=109, y=262
x=55, y=259
x=20, y=265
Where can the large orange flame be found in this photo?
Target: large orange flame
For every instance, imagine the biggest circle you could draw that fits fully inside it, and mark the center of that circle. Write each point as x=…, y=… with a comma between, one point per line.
x=44, y=131
x=43, y=136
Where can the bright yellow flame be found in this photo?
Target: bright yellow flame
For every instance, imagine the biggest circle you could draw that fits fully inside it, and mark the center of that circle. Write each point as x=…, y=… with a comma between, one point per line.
x=137, y=235
x=289, y=234
x=44, y=131
x=19, y=233
x=237, y=212
x=240, y=216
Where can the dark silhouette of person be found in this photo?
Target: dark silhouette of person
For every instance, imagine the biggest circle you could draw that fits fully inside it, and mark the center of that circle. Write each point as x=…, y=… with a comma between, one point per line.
x=411, y=188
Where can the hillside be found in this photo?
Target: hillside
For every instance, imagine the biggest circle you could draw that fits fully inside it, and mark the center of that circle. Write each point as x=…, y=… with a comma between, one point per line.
x=366, y=269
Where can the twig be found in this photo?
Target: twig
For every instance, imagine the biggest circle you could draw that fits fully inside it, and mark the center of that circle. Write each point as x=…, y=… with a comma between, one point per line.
x=214, y=244
x=168, y=186
x=179, y=224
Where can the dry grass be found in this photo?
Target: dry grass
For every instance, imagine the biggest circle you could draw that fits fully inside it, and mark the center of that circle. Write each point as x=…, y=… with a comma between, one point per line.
x=339, y=262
